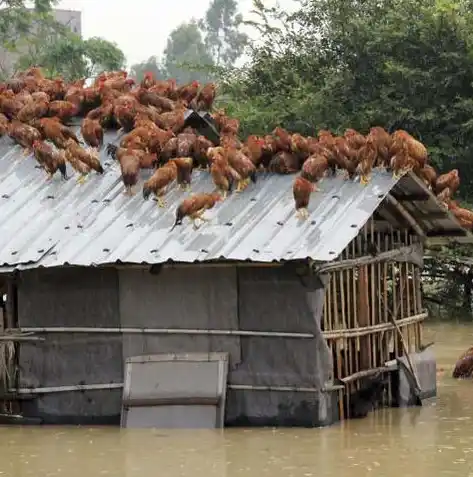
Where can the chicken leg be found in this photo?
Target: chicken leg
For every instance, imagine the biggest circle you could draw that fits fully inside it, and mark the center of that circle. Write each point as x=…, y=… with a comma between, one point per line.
x=81, y=179
x=161, y=202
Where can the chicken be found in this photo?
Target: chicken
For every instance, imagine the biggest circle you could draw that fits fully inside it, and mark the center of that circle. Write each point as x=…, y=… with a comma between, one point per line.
x=444, y=197
x=300, y=146
x=205, y=98
x=3, y=125
x=401, y=162
x=382, y=142
x=130, y=165
x=195, y=206
x=314, y=169
x=148, y=98
x=9, y=106
x=159, y=181
x=450, y=180
x=24, y=135
x=222, y=175
x=188, y=92
x=243, y=166
x=415, y=149
x=148, y=81
x=169, y=150
x=125, y=116
x=166, y=88
x=254, y=149
x=89, y=158
x=34, y=110
x=184, y=171
x=464, y=216
x=173, y=120
x=201, y=146
x=301, y=191
x=366, y=157
x=92, y=133
x=354, y=139
x=429, y=176
x=284, y=163
x=185, y=144
x=283, y=139
x=55, y=131
x=64, y=110
x=49, y=159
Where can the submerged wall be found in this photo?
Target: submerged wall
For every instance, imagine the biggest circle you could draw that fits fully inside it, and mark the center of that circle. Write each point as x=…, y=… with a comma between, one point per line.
x=259, y=299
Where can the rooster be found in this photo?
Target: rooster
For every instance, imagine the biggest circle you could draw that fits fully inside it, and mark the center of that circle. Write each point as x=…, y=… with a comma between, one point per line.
x=49, y=159
x=194, y=207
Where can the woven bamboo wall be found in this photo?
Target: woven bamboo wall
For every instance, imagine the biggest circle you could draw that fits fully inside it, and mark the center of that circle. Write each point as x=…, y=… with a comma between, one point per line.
x=360, y=305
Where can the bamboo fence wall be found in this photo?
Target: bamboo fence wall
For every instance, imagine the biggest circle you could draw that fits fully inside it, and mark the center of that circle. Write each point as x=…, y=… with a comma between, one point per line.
x=363, y=303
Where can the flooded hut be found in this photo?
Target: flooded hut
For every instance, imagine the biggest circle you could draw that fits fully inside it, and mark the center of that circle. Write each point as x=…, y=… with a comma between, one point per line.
x=306, y=312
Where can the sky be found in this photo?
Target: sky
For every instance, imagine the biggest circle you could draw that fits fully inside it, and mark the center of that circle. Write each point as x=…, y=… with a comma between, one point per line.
x=140, y=27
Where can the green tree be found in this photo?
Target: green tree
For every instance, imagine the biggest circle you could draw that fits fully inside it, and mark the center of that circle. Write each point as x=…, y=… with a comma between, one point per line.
x=345, y=63
x=74, y=58
x=151, y=65
x=223, y=38
x=186, y=57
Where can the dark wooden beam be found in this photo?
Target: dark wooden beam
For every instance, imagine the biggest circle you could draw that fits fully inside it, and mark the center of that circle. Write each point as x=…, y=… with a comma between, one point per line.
x=420, y=197
x=431, y=215
x=447, y=233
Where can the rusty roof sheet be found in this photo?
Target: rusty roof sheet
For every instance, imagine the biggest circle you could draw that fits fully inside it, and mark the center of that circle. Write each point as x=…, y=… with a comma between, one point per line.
x=62, y=223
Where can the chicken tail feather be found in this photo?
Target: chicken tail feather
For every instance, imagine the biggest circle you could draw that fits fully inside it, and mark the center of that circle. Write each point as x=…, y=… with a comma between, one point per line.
x=112, y=150
x=179, y=217
x=63, y=171
x=146, y=192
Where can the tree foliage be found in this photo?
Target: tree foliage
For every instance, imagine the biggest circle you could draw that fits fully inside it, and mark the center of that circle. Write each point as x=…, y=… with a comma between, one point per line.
x=38, y=39
x=197, y=49
x=340, y=63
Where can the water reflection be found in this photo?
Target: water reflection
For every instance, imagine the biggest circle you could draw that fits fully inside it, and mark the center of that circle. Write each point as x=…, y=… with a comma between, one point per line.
x=436, y=439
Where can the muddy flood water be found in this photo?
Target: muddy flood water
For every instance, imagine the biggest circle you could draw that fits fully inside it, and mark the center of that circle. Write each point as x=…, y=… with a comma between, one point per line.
x=434, y=440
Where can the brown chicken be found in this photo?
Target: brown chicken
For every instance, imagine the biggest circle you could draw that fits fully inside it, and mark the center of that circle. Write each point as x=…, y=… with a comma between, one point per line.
x=92, y=133
x=148, y=98
x=444, y=197
x=3, y=125
x=148, y=80
x=166, y=88
x=89, y=158
x=159, y=181
x=314, y=169
x=223, y=175
x=185, y=143
x=49, y=159
x=284, y=163
x=10, y=106
x=254, y=149
x=300, y=146
x=243, y=166
x=283, y=139
x=188, y=92
x=194, y=207
x=464, y=216
x=64, y=110
x=354, y=138
x=174, y=120
x=401, y=162
x=184, y=171
x=415, y=149
x=450, y=179
x=301, y=191
x=201, y=146
x=129, y=165
x=34, y=110
x=55, y=131
x=24, y=135
x=205, y=98
x=382, y=142
x=367, y=156
x=429, y=176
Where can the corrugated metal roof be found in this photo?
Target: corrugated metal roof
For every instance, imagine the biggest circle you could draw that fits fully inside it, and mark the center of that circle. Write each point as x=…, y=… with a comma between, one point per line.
x=56, y=223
